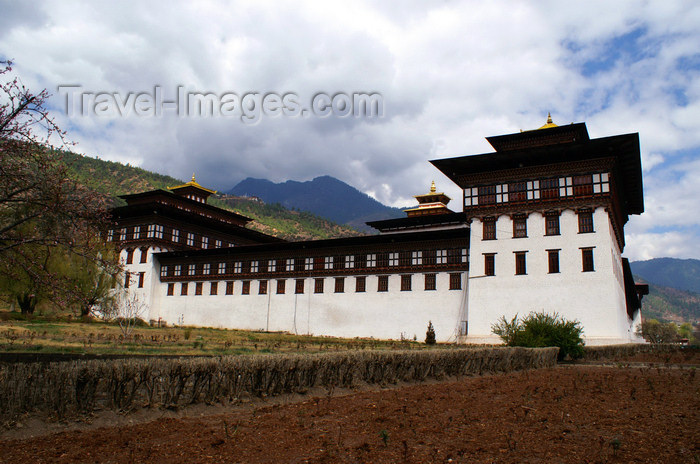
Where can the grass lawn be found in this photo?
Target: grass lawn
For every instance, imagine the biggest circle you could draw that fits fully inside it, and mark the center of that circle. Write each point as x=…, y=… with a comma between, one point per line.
x=41, y=334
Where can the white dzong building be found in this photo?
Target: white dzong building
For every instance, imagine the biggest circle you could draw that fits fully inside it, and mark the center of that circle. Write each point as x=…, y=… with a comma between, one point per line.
x=542, y=229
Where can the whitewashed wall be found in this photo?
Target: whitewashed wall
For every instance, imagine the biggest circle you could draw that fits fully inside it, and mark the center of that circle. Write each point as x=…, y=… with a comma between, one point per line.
x=596, y=299
x=383, y=315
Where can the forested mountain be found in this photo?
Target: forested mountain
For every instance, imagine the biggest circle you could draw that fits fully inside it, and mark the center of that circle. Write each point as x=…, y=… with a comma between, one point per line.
x=325, y=196
x=683, y=274
x=116, y=179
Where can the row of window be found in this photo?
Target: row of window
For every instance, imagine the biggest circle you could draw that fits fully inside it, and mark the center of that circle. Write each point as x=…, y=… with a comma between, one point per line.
x=552, y=188
x=321, y=263
x=157, y=231
x=552, y=260
x=551, y=224
x=140, y=279
x=430, y=283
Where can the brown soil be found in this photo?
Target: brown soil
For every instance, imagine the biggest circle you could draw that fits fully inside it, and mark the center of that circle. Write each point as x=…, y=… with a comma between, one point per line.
x=572, y=414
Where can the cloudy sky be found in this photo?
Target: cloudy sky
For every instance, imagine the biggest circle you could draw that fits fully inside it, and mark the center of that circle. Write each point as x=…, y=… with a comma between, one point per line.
x=449, y=74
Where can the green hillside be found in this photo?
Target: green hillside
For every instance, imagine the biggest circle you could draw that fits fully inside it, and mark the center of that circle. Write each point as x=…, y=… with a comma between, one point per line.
x=670, y=304
x=116, y=179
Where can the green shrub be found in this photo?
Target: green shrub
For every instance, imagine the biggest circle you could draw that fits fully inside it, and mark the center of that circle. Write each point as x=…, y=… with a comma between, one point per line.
x=542, y=329
x=430, y=334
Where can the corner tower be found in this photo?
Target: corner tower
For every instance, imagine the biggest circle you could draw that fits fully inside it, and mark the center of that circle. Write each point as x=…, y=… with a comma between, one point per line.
x=547, y=211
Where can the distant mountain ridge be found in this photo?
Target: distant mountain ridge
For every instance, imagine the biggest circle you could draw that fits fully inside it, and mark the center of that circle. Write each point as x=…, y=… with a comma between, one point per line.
x=325, y=196
x=683, y=274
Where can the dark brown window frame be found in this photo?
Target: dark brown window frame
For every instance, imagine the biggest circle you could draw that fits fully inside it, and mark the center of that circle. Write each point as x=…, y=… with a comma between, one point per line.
x=214, y=288
x=229, y=287
x=587, y=260
x=455, y=281
x=171, y=289
x=406, y=282
x=245, y=287
x=262, y=287
x=520, y=262
x=360, y=284
x=318, y=285
x=552, y=224
x=383, y=283
x=553, y=261
x=489, y=228
x=198, y=288
x=520, y=226
x=340, y=285
x=184, y=288
x=299, y=286
x=430, y=282
x=281, y=286
x=489, y=264
x=585, y=222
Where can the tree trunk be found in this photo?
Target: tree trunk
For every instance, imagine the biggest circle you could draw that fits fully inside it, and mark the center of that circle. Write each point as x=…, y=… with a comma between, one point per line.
x=27, y=302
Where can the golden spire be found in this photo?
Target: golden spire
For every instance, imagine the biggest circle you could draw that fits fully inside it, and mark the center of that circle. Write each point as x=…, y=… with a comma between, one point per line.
x=193, y=178
x=549, y=124
x=432, y=188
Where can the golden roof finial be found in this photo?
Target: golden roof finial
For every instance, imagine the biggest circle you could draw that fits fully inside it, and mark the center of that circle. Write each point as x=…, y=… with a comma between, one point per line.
x=432, y=188
x=193, y=178
x=549, y=124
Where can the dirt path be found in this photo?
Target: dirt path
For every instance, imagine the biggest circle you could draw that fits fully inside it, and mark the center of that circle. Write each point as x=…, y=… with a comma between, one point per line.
x=563, y=415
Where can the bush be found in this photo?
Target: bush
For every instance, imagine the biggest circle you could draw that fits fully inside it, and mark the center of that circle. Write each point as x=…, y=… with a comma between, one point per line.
x=654, y=331
x=542, y=329
x=430, y=334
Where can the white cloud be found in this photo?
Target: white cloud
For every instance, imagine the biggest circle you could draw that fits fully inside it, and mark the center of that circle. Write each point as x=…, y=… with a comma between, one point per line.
x=450, y=75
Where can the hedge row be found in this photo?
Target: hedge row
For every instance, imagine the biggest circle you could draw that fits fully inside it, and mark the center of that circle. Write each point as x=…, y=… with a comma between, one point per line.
x=80, y=387
x=616, y=352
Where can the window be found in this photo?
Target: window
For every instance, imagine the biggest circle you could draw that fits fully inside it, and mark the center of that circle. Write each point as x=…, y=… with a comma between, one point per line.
x=271, y=265
x=520, y=267
x=262, y=287
x=222, y=268
x=585, y=222
x=553, y=258
x=183, y=288
x=489, y=232
x=349, y=261
x=587, y=259
x=178, y=270
x=517, y=191
x=583, y=185
x=191, y=270
x=127, y=279
x=198, y=288
x=122, y=234
x=489, y=264
x=190, y=239
x=237, y=267
x=308, y=264
x=393, y=259
x=383, y=283
x=144, y=255
x=229, y=287
x=299, y=286
x=441, y=257
x=245, y=287
x=164, y=271
x=339, y=284
x=328, y=262
x=159, y=231
x=360, y=284
x=137, y=232
x=519, y=226
x=406, y=283
x=487, y=195
x=549, y=188
x=289, y=266
x=463, y=254
x=416, y=258
x=455, y=281
x=318, y=286
x=205, y=243
x=372, y=260
x=253, y=266
x=141, y=277
x=206, y=268
x=176, y=235
x=110, y=235
x=214, y=288
x=280, y=286
x=129, y=256
x=551, y=224
x=430, y=282
x=171, y=289
x=217, y=244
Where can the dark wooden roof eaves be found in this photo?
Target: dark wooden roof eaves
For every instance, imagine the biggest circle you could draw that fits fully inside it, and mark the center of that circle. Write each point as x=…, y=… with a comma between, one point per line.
x=540, y=137
x=623, y=148
x=160, y=193
x=189, y=217
x=418, y=221
x=335, y=243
